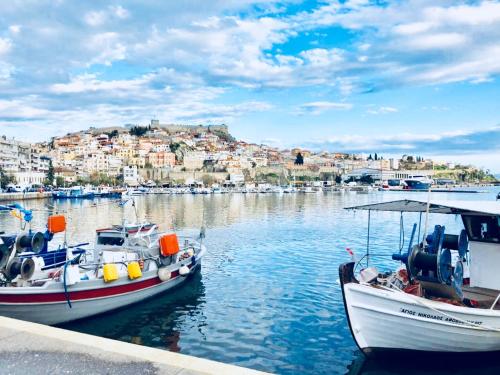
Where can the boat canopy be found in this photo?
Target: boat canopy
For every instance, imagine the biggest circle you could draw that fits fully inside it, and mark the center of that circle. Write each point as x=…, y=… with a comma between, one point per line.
x=435, y=206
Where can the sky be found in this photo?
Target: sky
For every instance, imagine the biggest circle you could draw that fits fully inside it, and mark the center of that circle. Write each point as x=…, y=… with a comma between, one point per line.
x=393, y=77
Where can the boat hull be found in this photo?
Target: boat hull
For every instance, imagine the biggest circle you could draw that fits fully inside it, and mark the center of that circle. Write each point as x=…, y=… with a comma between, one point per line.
x=383, y=320
x=54, y=308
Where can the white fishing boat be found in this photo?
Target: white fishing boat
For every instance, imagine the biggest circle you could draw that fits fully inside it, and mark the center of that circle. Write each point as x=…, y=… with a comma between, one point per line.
x=444, y=296
x=128, y=264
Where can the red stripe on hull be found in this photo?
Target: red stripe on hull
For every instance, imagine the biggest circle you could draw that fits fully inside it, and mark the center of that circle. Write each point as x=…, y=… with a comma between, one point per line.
x=108, y=291
x=79, y=295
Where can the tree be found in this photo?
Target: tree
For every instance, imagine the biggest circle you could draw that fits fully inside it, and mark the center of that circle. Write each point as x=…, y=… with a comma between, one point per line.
x=139, y=131
x=60, y=181
x=370, y=157
x=207, y=180
x=112, y=134
x=49, y=178
x=174, y=147
x=376, y=156
x=5, y=179
x=299, y=159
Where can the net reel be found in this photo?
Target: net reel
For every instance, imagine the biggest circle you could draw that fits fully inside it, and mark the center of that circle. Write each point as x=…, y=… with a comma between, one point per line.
x=432, y=266
x=30, y=242
x=6, y=245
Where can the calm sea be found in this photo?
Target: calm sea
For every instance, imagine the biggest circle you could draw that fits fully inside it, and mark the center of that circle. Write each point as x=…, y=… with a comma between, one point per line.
x=268, y=295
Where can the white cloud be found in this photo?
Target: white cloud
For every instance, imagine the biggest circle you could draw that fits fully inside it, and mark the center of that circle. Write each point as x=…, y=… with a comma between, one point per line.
x=437, y=41
x=5, y=45
x=317, y=108
x=107, y=48
x=95, y=18
x=382, y=110
x=120, y=11
x=15, y=29
x=160, y=52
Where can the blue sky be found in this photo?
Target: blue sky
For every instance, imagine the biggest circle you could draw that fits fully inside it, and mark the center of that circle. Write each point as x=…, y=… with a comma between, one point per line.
x=390, y=77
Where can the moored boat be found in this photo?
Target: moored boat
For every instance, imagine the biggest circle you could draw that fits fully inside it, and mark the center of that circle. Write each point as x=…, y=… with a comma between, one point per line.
x=444, y=296
x=76, y=192
x=129, y=263
x=418, y=183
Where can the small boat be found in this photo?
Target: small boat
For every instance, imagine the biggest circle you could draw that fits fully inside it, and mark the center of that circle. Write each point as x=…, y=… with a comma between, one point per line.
x=418, y=183
x=27, y=244
x=444, y=296
x=129, y=263
x=75, y=192
x=106, y=192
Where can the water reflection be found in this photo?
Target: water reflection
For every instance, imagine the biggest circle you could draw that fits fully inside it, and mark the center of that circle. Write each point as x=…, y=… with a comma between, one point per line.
x=438, y=364
x=267, y=296
x=158, y=322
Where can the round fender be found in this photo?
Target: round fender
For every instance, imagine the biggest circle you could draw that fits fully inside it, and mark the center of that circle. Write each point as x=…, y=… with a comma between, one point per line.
x=184, y=271
x=164, y=274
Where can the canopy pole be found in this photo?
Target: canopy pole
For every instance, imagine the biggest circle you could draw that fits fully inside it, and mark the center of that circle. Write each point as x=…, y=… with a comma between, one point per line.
x=368, y=240
x=424, y=242
x=419, y=224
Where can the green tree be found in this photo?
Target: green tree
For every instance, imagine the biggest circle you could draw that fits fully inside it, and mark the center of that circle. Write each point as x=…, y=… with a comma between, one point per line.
x=59, y=181
x=5, y=179
x=174, y=147
x=112, y=134
x=138, y=131
x=49, y=178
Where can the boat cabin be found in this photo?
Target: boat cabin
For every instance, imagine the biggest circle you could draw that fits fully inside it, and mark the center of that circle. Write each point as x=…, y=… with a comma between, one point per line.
x=430, y=263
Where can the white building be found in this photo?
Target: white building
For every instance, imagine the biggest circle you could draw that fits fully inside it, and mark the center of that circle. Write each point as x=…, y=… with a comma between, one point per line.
x=394, y=163
x=8, y=155
x=130, y=175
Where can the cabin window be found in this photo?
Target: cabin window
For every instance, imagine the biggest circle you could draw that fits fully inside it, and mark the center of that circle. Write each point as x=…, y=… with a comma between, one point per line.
x=113, y=241
x=482, y=228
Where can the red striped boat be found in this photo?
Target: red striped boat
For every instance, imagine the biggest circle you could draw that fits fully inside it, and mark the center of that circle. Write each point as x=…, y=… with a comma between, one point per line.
x=129, y=264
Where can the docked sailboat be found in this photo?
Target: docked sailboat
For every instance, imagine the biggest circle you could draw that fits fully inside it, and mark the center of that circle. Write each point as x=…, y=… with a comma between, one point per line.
x=129, y=263
x=445, y=295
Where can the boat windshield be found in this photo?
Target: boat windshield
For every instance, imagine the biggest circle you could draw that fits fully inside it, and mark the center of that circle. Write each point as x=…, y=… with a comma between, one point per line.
x=110, y=240
x=482, y=228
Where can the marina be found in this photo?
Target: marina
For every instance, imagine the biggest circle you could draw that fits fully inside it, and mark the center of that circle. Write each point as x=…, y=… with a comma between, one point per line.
x=252, y=292
x=250, y=187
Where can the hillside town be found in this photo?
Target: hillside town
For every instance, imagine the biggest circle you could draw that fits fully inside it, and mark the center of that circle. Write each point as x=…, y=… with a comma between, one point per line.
x=165, y=154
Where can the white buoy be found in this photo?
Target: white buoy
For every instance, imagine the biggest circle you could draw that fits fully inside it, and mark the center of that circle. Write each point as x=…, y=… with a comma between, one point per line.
x=184, y=271
x=164, y=274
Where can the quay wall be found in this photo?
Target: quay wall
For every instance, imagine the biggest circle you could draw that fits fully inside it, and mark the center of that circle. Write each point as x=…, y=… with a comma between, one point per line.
x=28, y=347
x=4, y=197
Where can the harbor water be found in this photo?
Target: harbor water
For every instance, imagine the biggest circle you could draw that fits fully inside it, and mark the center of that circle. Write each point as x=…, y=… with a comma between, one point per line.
x=268, y=295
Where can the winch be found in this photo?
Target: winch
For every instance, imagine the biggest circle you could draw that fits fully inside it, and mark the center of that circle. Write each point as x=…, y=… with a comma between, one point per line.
x=431, y=264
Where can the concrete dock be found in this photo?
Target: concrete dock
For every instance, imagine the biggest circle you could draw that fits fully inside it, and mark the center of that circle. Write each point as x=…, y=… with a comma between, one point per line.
x=24, y=196
x=30, y=348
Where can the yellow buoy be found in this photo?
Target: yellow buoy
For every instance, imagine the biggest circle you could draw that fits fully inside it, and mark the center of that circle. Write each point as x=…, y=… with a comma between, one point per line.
x=134, y=270
x=110, y=272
